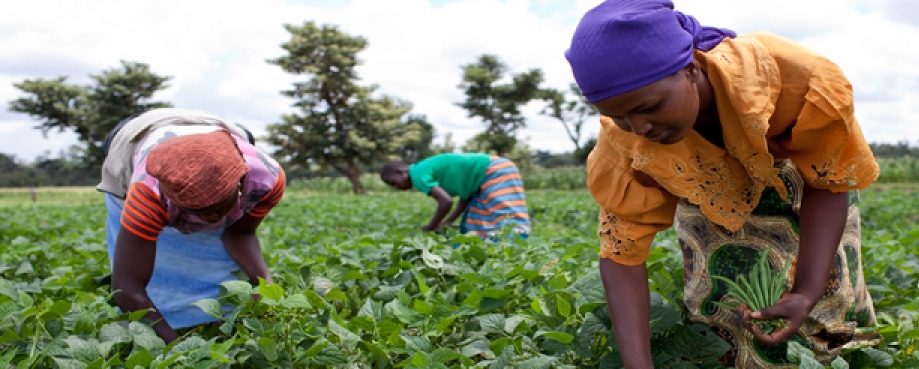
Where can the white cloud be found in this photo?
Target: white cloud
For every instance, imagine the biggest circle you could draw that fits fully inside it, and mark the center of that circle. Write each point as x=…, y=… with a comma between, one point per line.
x=18, y=138
x=216, y=52
x=9, y=127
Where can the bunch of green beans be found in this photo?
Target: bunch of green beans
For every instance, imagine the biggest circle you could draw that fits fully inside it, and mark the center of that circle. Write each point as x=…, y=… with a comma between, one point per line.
x=760, y=288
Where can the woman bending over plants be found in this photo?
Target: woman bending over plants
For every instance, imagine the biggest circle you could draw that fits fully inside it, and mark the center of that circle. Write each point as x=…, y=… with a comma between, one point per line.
x=749, y=145
x=489, y=189
x=185, y=193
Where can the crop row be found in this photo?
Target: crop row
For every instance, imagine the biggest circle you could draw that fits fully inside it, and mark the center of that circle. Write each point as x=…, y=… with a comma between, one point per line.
x=359, y=285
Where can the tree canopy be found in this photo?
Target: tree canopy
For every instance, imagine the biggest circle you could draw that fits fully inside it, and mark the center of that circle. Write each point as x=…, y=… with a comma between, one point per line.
x=90, y=111
x=498, y=105
x=571, y=113
x=340, y=124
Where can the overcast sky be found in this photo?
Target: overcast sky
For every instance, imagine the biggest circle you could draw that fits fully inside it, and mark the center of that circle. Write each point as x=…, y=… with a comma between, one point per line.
x=215, y=52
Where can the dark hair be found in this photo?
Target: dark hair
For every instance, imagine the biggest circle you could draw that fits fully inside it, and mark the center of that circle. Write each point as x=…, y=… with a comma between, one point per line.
x=390, y=168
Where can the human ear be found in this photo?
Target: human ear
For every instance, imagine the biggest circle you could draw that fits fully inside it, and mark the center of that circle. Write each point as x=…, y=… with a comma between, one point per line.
x=693, y=71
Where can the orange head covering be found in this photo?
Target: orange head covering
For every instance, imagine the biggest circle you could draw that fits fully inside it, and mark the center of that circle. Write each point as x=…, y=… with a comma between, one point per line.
x=197, y=171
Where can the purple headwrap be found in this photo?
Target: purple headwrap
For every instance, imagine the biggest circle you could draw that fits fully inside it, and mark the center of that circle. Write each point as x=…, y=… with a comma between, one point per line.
x=622, y=45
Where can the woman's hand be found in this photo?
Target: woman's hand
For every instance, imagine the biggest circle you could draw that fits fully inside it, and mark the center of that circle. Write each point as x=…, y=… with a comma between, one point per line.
x=131, y=272
x=792, y=307
x=822, y=220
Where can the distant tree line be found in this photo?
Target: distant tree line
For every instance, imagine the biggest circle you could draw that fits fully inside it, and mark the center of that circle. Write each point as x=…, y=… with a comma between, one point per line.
x=902, y=149
x=64, y=170
x=340, y=127
x=67, y=169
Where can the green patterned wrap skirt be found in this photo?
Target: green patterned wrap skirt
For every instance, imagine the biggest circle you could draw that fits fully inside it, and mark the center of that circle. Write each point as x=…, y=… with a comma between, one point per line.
x=709, y=249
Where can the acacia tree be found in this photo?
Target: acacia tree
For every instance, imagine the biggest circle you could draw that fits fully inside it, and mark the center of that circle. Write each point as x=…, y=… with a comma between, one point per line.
x=90, y=111
x=498, y=105
x=571, y=113
x=422, y=145
x=340, y=124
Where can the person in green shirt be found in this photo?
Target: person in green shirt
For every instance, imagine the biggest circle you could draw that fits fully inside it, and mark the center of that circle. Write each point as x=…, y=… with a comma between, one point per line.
x=489, y=189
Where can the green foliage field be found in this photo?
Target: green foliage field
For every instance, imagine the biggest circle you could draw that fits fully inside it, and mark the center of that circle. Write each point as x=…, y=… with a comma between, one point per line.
x=358, y=285
x=893, y=170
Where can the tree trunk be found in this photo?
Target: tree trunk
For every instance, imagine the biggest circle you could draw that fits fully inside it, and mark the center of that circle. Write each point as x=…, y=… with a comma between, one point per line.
x=354, y=175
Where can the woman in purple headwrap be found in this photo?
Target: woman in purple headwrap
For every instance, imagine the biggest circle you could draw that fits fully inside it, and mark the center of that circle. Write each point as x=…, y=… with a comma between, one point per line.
x=749, y=145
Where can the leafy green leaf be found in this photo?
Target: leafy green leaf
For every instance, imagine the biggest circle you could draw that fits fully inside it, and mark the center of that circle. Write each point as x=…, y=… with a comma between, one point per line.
x=189, y=344
x=297, y=301
x=7, y=358
x=140, y=359
x=9, y=336
x=796, y=351
x=372, y=309
x=373, y=348
x=114, y=332
x=422, y=286
x=476, y=348
x=421, y=359
x=564, y=308
x=317, y=347
x=347, y=337
x=444, y=355
x=910, y=334
x=423, y=307
x=562, y=337
x=66, y=363
x=270, y=291
x=387, y=293
x=211, y=307
x=490, y=303
x=663, y=318
x=403, y=313
x=416, y=343
x=269, y=348
x=505, y=360
x=839, y=363
x=808, y=362
x=492, y=323
x=25, y=300
x=315, y=299
x=695, y=342
x=880, y=358
x=335, y=294
x=138, y=314
x=363, y=323
x=539, y=362
x=330, y=355
x=60, y=307
x=510, y=325
x=82, y=350
x=237, y=287
x=145, y=337
x=431, y=260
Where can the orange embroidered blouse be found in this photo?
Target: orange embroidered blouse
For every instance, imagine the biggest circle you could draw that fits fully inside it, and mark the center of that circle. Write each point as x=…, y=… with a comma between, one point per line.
x=776, y=100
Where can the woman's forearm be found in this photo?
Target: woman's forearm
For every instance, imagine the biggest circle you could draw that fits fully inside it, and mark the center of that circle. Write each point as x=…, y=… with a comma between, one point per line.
x=132, y=268
x=246, y=251
x=242, y=244
x=629, y=303
x=822, y=221
x=457, y=211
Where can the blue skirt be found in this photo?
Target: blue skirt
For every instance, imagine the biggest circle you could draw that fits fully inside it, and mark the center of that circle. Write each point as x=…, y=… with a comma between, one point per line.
x=188, y=267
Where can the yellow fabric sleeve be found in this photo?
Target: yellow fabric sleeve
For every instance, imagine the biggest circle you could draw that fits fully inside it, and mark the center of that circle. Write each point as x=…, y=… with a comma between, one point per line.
x=825, y=142
x=633, y=208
